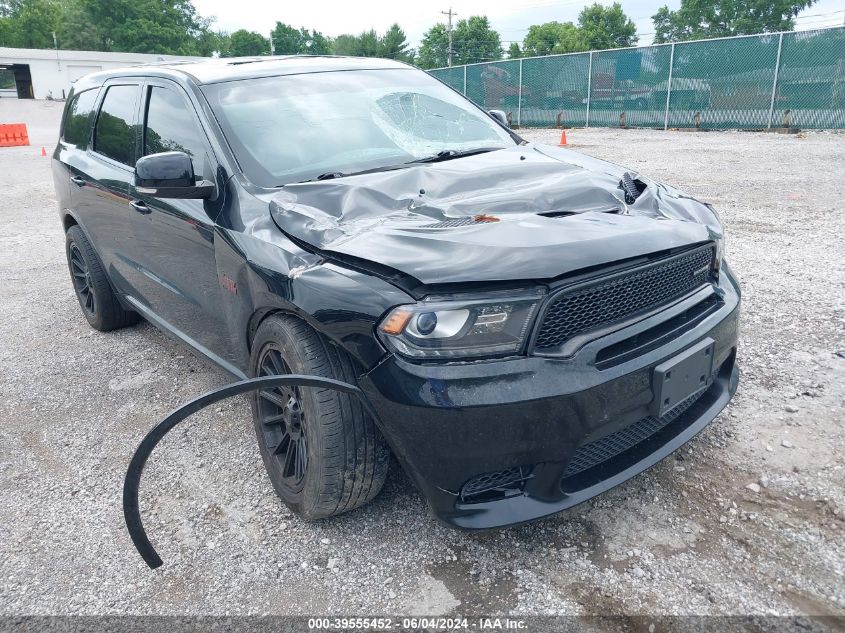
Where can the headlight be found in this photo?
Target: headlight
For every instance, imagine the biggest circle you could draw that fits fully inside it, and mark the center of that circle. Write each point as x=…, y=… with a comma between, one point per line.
x=455, y=328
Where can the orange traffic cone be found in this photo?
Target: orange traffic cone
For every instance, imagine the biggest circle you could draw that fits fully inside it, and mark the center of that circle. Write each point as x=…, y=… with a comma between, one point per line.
x=562, y=138
x=43, y=151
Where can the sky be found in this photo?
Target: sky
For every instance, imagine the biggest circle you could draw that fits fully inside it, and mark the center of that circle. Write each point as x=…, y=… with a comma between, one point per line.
x=511, y=18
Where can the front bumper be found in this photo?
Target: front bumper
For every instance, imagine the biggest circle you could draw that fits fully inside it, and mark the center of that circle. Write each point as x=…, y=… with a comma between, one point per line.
x=450, y=424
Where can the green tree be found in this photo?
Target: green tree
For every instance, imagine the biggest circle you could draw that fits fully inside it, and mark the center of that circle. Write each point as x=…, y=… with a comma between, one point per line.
x=210, y=42
x=553, y=37
x=290, y=41
x=364, y=44
x=319, y=44
x=245, y=43
x=606, y=27
x=137, y=26
x=514, y=51
x=29, y=23
x=701, y=19
x=394, y=45
x=76, y=30
x=368, y=44
x=346, y=44
x=205, y=40
x=434, y=49
x=472, y=41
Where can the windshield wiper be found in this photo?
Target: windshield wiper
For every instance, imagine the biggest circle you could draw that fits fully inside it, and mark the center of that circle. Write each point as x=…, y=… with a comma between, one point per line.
x=331, y=175
x=450, y=154
x=446, y=154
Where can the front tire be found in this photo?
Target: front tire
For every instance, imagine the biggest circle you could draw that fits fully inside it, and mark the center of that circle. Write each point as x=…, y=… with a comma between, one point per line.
x=322, y=451
x=99, y=303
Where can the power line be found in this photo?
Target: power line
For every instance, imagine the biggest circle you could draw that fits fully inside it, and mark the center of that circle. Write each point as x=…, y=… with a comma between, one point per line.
x=817, y=15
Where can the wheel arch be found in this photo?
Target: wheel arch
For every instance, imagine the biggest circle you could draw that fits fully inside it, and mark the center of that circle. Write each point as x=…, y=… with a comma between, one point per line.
x=68, y=221
x=343, y=307
x=262, y=314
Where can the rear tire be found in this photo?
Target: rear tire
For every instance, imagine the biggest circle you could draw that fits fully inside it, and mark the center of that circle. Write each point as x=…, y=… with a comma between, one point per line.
x=322, y=451
x=99, y=303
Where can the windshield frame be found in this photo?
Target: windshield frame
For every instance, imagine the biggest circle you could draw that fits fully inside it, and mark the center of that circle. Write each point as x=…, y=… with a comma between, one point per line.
x=226, y=131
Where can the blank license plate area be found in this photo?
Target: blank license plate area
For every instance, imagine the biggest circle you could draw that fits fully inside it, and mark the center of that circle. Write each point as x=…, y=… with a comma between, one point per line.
x=678, y=378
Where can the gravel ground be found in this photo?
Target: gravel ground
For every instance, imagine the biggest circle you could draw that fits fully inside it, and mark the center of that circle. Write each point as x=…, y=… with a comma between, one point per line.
x=746, y=519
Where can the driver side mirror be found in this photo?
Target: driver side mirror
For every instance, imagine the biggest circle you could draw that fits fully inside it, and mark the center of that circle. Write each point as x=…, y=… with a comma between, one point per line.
x=500, y=116
x=170, y=175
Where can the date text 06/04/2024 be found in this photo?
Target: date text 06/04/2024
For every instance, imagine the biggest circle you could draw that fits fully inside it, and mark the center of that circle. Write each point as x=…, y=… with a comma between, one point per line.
x=417, y=623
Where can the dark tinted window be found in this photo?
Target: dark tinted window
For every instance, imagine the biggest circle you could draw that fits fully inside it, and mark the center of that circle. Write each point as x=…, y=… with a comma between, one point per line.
x=78, y=118
x=171, y=127
x=114, y=135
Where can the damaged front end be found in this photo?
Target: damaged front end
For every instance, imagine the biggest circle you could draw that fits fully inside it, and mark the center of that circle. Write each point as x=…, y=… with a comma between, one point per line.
x=555, y=324
x=570, y=323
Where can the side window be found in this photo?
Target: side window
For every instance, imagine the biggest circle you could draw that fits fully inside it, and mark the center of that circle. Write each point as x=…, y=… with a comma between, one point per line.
x=78, y=117
x=113, y=135
x=170, y=127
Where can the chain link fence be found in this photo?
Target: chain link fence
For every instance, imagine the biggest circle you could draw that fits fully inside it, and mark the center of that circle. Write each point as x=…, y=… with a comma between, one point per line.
x=794, y=79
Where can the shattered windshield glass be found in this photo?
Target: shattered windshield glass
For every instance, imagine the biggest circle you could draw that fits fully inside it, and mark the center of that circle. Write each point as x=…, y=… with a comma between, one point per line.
x=299, y=127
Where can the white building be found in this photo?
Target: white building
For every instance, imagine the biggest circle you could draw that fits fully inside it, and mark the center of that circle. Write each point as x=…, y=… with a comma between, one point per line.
x=48, y=74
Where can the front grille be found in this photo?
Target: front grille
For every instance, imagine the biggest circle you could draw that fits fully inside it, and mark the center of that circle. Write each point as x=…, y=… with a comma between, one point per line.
x=610, y=446
x=501, y=481
x=607, y=301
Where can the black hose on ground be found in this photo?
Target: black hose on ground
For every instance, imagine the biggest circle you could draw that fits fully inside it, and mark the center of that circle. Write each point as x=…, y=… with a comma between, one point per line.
x=131, y=510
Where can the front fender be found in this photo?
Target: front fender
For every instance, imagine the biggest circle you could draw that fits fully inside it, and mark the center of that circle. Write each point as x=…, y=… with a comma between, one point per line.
x=265, y=276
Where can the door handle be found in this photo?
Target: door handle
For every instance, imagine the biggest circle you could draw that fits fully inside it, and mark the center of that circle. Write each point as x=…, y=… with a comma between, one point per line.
x=78, y=180
x=140, y=206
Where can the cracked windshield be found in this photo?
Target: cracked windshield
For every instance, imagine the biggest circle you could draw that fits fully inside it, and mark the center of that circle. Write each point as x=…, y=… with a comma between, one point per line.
x=326, y=125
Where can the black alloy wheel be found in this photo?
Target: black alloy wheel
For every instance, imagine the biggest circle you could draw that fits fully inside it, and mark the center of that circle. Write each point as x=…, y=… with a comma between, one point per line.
x=322, y=450
x=100, y=305
x=82, y=282
x=283, y=419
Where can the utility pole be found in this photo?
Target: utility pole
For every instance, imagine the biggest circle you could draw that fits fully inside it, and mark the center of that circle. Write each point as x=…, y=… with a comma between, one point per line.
x=450, y=13
x=56, y=46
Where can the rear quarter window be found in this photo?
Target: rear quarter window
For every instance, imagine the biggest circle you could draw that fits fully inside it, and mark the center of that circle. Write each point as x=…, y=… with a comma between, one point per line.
x=78, y=119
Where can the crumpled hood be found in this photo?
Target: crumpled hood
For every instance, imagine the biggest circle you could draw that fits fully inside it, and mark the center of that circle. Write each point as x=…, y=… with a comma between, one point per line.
x=480, y=218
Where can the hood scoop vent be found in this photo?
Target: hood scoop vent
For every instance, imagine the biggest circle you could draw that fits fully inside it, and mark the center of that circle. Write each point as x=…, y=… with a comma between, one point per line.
x=566, y=214
x=453, y=223
x=465, y=221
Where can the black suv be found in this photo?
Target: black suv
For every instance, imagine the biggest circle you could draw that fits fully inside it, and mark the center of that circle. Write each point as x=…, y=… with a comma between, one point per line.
x=531, y=326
